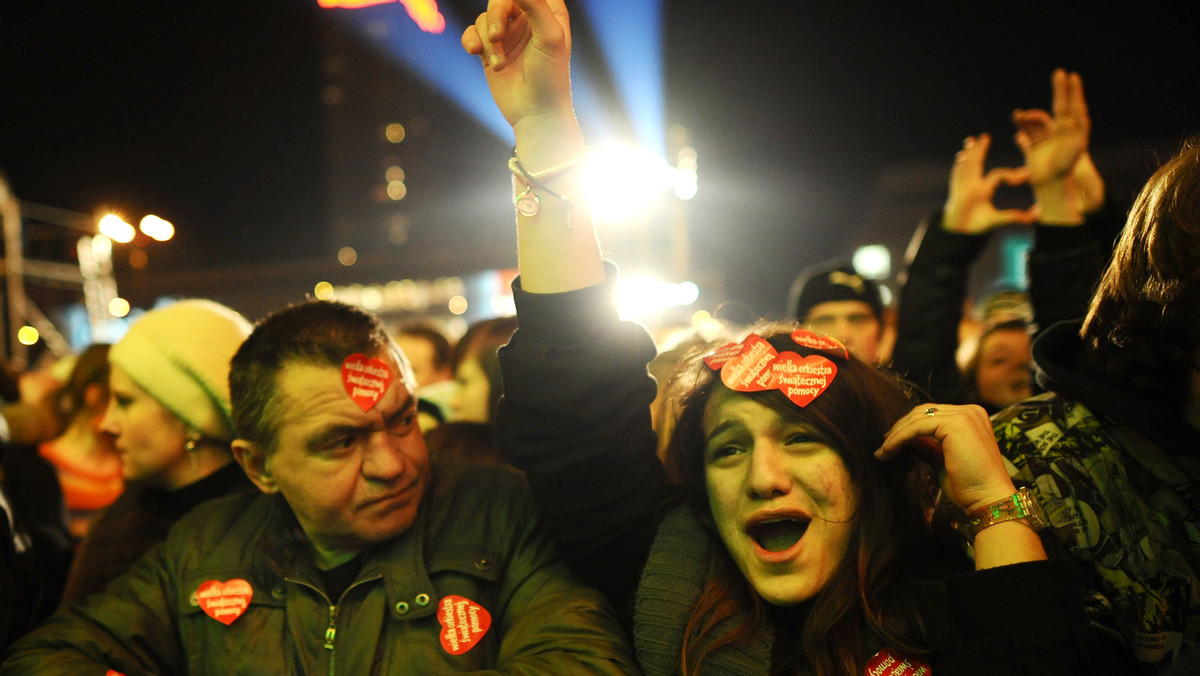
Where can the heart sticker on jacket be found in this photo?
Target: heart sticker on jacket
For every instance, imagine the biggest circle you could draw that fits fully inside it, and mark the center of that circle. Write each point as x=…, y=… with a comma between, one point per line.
x=889, y=663
x=365, y=379
x=224, y=601
x=463, y=622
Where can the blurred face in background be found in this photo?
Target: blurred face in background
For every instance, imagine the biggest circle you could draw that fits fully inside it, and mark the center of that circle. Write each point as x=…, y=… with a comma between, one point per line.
x=471, y=401
x=422, y=356
x=1004, y=376
x=149, y=438
x=851, y=321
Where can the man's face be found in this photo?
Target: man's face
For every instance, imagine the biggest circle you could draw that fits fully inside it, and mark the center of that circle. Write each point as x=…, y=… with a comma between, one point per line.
x=850, y=321
x=353, y=478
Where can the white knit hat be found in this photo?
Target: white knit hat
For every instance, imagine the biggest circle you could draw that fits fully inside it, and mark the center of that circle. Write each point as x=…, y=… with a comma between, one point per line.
x=180, y=355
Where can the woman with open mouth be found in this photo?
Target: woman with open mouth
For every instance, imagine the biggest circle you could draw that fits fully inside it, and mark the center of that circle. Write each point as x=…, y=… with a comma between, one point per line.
x=790, y=530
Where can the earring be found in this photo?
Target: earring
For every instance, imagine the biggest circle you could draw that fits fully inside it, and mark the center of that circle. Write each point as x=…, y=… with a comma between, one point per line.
x=192, y=440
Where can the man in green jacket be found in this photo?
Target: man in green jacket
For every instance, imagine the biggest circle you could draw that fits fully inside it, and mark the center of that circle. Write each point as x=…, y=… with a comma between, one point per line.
x=359, y=557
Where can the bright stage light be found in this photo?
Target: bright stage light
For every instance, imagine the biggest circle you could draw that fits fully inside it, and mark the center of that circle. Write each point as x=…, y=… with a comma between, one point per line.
x=644, y=297
x=622, y=181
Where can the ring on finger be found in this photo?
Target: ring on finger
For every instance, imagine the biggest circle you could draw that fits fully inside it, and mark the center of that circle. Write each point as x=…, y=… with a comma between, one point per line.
x=930, y=411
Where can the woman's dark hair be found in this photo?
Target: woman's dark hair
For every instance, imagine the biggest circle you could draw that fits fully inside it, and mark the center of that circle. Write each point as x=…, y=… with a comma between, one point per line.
x=870, y=588
x=480, y=342
x=91, y=368
x=1143, y=326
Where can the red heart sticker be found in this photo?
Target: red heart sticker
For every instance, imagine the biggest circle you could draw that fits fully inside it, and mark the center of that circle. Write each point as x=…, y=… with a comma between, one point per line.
x=746, y=372
x=463, y=622
x=224, y=601
x=802, y=379
x=365, y=379
x=889, y=663
x=811, y=340
x=113, y=672
x=721, y=355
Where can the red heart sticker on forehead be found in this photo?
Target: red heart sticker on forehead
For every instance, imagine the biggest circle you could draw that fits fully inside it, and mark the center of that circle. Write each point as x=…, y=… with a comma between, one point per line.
x=463, y=622
x=365, y=379
x=802, y=379
x=224, y=601
x=809, y=339
x=745, y=371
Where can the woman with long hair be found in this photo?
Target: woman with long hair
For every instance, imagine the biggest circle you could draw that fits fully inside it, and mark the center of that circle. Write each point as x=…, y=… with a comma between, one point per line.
x=803, y=543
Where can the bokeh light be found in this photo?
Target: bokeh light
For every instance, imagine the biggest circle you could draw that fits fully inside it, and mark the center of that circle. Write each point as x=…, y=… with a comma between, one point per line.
x=27, y=335
x=323, y=291
x=115, y=228
x=156, y=228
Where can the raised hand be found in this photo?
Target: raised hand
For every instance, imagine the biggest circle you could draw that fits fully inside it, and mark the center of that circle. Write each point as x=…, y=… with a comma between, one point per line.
x=1065, y=181
x=525, y=47
x=969, y=208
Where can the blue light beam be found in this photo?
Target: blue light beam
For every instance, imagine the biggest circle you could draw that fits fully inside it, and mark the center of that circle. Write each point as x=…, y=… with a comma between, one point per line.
x=439, y=60
x=630, y=34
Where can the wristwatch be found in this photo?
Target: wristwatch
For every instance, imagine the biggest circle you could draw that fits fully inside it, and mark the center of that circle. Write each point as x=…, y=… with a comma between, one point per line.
x=1021, y=505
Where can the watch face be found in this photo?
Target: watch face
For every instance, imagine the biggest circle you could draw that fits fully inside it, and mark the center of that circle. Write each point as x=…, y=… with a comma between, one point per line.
x=1033, y=507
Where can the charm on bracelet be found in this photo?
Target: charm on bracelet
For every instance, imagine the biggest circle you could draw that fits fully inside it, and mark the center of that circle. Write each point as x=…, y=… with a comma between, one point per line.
x=527, y=202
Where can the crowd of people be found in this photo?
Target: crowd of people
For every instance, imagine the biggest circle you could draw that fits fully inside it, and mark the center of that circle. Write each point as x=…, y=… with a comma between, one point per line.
x=859, y=487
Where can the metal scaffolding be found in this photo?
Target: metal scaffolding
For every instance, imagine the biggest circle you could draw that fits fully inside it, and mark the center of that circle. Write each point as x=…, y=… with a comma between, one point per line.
x=91, y=276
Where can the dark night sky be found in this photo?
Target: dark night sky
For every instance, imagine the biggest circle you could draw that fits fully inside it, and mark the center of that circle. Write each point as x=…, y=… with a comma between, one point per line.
x=209, y=112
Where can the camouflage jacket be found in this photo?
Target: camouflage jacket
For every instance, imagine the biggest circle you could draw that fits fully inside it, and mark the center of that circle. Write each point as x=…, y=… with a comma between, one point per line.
x=1125, y=506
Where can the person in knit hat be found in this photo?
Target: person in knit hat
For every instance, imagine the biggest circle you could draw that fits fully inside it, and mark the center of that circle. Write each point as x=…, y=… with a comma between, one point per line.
x=169, y=414
x=831, y=298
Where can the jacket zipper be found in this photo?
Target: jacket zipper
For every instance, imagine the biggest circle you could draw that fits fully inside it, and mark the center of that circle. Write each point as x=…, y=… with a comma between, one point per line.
x=331, y=630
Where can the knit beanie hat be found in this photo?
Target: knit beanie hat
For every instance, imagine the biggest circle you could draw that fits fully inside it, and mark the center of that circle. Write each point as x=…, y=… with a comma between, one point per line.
x=832, y=281
x=180, y=355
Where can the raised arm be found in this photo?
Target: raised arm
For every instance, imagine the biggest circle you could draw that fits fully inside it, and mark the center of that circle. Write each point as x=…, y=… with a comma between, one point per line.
x=575, y=415
x=525, y=46
x=1068, y=254
x=941, y=253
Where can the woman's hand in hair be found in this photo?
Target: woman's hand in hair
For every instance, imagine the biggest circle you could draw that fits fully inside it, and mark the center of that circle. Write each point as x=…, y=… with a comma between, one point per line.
x=960, y=441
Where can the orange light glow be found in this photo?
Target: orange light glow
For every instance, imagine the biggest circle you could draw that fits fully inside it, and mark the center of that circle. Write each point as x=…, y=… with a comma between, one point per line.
x=424, y=12
x=350, y=4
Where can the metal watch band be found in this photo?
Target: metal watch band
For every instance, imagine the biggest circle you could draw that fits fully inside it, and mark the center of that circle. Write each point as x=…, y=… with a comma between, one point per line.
x=1012, y=508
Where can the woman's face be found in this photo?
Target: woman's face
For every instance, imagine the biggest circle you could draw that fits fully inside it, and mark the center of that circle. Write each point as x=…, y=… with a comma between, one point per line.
x=472, y=398
x=783, y=503
x=149, y=438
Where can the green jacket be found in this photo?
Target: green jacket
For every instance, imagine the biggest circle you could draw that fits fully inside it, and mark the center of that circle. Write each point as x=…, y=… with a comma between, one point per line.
x=476, y=551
